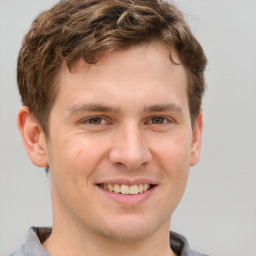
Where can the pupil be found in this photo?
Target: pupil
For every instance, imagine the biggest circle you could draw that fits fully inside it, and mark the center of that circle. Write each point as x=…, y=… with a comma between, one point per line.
x=95, y=120
x=158, y=120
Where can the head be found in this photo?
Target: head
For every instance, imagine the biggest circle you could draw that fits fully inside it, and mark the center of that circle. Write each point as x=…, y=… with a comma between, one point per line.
x=89, y=29
x=113, y=92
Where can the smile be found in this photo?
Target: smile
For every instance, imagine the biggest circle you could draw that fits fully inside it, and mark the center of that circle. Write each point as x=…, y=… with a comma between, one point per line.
x=126, y=189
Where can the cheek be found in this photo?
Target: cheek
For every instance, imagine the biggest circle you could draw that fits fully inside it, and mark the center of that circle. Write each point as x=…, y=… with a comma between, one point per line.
x=72, y=163
x=77, y=157
x=86, y=153
x=175, y=151
x=174, y=158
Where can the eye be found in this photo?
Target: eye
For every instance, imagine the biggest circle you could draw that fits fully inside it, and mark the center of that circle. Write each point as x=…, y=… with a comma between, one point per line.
x=158, y=120
x=95, y=123
x=95, y=120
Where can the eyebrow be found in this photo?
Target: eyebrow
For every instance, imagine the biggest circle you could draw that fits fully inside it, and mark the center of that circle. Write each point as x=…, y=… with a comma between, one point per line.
x=92, y=107
x=163, y=107
x=106, y=108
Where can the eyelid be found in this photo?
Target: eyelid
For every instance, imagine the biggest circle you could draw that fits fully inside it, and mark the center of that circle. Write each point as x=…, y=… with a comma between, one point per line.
x=86, y=120
x=105, y=120
x=166, y=119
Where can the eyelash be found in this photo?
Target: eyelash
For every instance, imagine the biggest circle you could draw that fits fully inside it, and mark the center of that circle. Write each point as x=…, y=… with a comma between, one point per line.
x=104, y=121
x=164, y=119
x=87, y=121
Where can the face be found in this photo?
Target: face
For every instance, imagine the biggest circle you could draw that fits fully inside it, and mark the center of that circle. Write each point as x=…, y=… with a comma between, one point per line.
x=120, y=143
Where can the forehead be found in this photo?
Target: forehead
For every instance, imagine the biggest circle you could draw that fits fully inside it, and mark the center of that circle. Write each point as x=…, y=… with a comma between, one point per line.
x=154, y=53
x=144, y=70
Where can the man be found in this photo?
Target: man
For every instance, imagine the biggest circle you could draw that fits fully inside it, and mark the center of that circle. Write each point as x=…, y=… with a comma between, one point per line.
x=111, y=94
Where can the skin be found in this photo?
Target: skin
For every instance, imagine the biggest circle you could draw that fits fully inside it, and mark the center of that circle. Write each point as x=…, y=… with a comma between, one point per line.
x=125, y=93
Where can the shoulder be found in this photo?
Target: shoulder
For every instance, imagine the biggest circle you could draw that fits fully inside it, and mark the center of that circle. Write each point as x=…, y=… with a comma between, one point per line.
x=198, y=254
x=181, y=247
x=20, y=252
x=33, y=246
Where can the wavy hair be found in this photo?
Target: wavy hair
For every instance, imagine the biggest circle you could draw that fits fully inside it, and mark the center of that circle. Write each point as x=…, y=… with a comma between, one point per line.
x=89, y=29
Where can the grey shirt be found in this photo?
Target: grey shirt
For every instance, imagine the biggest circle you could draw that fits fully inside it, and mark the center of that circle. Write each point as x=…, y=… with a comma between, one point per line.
x=33, y=246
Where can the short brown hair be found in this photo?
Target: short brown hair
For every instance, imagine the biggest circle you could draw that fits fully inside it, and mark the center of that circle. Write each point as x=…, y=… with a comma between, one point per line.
x=89, y=29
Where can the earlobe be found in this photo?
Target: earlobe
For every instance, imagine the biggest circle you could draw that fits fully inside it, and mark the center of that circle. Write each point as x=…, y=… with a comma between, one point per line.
x=33, y=137
x=197, y=140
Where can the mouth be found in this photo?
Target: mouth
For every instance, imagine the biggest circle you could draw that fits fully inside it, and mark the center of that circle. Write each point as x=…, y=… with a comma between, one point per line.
x=126, y=189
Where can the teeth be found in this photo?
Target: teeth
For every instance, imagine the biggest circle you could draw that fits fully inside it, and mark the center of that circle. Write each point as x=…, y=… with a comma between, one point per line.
x=140, y=187
x=146, y=187
x=134, y=190
x=125, y=189
x=117, y=188
x=110, y=188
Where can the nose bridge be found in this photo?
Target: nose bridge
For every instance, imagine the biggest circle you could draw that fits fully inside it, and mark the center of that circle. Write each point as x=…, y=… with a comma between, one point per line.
x=130, y=148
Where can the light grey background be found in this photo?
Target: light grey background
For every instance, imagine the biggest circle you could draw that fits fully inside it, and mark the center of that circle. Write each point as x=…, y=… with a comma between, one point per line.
x=218, y=211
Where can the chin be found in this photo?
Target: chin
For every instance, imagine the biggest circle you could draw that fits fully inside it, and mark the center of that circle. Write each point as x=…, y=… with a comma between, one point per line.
x=130, y=230
x=126, y=235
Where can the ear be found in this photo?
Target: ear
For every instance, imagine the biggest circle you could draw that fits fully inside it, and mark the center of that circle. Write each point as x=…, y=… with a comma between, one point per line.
x=33, y=137
x=197, y=140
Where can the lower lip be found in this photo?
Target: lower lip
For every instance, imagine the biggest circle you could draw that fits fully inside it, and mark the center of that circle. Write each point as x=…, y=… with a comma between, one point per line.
x=128, y=199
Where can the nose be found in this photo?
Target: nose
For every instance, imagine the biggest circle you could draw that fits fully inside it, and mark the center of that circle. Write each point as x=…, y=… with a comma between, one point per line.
x=129, y=148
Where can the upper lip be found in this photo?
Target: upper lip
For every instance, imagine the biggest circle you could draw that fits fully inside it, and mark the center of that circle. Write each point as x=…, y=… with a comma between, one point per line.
x=129, y=182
